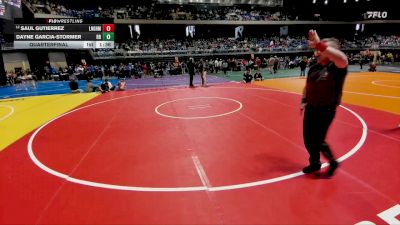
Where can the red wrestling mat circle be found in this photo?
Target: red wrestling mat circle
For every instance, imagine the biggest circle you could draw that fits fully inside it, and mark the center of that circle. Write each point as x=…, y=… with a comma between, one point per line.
x=121, y=162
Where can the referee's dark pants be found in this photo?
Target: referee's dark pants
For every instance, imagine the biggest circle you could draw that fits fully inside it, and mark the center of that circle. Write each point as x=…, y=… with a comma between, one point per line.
x=315, y=127
x=191, y=79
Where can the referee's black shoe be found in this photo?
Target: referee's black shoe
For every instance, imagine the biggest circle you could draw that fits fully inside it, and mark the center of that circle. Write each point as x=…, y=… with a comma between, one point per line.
x=312, y=168
x=333, y=165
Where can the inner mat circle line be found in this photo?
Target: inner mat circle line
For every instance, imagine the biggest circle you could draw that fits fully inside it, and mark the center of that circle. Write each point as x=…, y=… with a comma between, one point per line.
x=198, y=117
x=377, y=83
x=179, y=189
x=12, y=110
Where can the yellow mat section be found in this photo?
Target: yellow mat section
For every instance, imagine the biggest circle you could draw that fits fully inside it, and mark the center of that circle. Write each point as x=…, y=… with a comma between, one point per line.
x=378, y=90
x=20, y=116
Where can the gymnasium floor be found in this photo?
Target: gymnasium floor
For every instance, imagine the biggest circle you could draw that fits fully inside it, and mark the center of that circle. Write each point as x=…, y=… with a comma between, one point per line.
x=230, y=153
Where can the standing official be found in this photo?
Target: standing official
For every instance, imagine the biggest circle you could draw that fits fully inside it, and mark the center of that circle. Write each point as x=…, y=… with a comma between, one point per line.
x=191, y=68
x=321, y=96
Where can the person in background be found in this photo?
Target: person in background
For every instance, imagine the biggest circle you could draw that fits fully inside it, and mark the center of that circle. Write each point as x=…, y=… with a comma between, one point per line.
x=106, y=86
x=225, y=67
x=74, y=86
x=90, y=87
x=276, y=64
x=121, y=86
x=247, y=77
x=303, y=65
x=203, y=75
x=191, y=68
x=372, y=67
x=258, y=76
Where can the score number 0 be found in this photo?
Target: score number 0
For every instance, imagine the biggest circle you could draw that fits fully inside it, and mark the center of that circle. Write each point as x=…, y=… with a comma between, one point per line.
x=108, y=27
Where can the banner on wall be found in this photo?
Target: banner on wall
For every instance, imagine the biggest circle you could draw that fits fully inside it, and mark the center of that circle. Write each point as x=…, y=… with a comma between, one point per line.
x=239, y=32
x=284, y=31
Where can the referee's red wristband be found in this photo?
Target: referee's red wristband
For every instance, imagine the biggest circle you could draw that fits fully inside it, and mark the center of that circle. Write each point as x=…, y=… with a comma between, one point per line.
x=321, y=46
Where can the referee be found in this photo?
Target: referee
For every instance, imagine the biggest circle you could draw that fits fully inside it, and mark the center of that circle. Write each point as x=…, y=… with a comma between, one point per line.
x=191, y=68
x=321, y=96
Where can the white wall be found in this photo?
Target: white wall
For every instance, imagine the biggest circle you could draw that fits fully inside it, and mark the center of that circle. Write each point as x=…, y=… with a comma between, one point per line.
x=57, y=60
x=15, y=60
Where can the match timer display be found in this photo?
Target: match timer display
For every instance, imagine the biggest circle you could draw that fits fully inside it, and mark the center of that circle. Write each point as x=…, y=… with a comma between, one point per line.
x=68, y=33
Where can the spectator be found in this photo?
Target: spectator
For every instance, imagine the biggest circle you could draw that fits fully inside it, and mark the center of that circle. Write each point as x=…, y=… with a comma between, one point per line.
x=247, y=77
x=303, y=65
x=121, y=86
x=106, y=86
x=74, y=86
x=276, y=64
x=225, y=67
x=202, y=72
x=191, y=68
x=258, y=76
x=90, y=87
x=372, y=67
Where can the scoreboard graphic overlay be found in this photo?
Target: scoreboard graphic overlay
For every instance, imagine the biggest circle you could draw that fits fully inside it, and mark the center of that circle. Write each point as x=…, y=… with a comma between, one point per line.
x=65, y=33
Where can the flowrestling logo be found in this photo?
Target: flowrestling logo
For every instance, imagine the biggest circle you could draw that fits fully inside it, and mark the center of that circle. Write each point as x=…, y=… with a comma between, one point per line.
x=375, y=15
